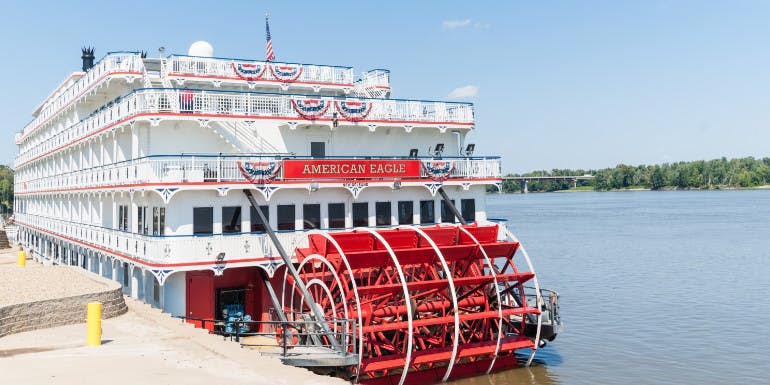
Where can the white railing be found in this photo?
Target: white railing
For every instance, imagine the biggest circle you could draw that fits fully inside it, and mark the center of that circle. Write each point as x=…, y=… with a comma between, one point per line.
x=179, y=66
x=374, y=83
x=161, y=169
x=168, y=249
x=114, y=62
x=246, y=105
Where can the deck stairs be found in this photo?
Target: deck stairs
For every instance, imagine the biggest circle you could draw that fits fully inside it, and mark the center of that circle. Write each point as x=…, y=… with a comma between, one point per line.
x=4, y=243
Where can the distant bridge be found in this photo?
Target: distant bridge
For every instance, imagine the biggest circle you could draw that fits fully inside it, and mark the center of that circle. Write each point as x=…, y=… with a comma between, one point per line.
x=524, y=180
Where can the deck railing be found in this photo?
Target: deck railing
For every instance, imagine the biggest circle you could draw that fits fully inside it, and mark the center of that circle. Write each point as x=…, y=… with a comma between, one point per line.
x=159, y=169
x=167, y=249
x=210, y=104
x=113, y=62
x=194, y=66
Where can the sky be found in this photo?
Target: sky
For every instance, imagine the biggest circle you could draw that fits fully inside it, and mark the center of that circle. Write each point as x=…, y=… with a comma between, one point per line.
x=580, y=84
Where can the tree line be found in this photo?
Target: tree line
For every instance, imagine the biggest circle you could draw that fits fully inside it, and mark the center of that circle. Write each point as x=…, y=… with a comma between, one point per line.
x=6, y=189
x=702, y=174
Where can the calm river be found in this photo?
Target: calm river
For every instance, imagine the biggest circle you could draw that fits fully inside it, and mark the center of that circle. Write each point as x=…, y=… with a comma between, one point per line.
x=656, y=287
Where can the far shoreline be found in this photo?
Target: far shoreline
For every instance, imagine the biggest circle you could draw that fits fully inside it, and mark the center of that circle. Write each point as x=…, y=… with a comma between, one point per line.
x=762, y=187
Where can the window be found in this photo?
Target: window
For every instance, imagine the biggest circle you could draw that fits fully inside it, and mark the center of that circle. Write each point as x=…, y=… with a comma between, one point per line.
x=382, y=212
x=446, y=212
x=203, y=220
x=361, y=214
x=123, y=217
x=158, y=221
x=156, y=291
x=427, y=212
x=405, y=212
x=256, y=221
x=141, y=218
x=231, y=219
x=286, y=217
x=468, y=209
x=336, y=215
x=125, y=275
x=317, y=149
x=311, y=216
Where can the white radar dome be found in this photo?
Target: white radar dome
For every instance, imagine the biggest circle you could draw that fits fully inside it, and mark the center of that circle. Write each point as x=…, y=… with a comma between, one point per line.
x=201, y=48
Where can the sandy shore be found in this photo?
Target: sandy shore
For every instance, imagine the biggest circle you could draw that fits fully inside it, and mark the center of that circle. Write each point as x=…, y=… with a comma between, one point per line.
x=143, y=346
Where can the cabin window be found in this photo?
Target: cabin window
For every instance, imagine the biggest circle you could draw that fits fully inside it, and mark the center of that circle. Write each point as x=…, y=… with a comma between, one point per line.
x=446, y=213
x=141, y=219
x=256, y=221
x=468, y=209
x=382, y=212
x=405, y=212
x=144, y=221
x=155, y=291
x=427, y=212
x=231, y=219
x=203, y=220
x=318, y=149
x=123, y=218
x=125, y=274
x=336, y=215
x=158, y=221
x=311, y=216
x=361, y=214
x=286, y=217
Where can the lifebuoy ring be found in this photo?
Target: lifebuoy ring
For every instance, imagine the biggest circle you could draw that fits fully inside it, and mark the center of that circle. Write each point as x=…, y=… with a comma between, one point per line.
x=291, y=339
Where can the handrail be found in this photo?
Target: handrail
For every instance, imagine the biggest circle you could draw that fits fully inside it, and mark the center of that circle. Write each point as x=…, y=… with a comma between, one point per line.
x=209, y=168
x=181, y=65
x=343, y=332
x=243, y=105
x=127, y=61
x=163, y=249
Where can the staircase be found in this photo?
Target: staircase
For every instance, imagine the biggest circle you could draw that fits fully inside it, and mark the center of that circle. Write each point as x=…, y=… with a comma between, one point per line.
x=4, y=243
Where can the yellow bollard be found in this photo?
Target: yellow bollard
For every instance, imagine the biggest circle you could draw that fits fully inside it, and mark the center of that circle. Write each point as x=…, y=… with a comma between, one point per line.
x=94, y=323
x=22, y=259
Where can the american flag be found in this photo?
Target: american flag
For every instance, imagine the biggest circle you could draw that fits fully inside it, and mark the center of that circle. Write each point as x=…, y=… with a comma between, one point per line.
x=270, y=56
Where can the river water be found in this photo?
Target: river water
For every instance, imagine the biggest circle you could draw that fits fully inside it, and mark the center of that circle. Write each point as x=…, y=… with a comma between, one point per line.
x=666, y=287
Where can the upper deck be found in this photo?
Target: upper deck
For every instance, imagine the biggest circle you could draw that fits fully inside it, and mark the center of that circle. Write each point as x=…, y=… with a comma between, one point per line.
x=200, y=72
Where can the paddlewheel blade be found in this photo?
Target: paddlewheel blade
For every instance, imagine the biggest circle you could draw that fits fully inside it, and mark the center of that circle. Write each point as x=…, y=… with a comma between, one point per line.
x=430, y=303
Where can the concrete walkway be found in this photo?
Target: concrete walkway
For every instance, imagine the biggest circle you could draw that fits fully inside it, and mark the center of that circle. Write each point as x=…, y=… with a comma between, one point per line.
x=143, y=346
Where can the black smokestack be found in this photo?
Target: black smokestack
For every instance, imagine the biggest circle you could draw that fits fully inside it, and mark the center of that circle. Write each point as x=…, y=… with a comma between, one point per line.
x=88, y=58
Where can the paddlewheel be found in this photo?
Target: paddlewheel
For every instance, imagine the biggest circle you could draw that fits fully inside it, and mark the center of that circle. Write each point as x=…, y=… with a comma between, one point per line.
x=429, y=303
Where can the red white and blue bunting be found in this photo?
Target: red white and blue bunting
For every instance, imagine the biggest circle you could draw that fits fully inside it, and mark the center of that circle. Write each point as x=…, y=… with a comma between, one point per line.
x=286, y=72
x=438, y=170
x=249, y=71
x=259, y=172
x=310, y=109
x=354, y=110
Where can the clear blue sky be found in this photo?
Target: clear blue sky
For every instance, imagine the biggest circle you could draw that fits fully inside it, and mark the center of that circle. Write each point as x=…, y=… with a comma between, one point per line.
x=558, y=84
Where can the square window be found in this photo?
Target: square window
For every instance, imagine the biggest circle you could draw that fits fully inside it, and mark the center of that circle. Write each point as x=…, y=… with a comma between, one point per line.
x=382, y=212
x=361, y=214
x=311, y=216
x=405, y=212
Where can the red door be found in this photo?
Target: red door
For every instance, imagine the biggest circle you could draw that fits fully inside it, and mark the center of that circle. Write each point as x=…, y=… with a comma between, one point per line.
x=200, y=298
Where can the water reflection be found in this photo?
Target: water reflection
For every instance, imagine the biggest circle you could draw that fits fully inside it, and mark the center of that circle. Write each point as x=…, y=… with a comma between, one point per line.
x=537, y=374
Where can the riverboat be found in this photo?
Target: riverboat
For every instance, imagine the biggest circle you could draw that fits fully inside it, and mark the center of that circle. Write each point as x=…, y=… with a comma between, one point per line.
x=284, y=199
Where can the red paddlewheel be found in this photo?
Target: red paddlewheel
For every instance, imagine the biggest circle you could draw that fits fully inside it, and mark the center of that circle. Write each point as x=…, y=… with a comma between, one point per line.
x=430, y=303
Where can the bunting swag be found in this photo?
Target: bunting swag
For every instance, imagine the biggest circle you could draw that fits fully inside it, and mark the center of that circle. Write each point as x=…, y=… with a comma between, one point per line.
x=249, y=71
x=310, y=109
x=286, y=72
x=354, y=111
x=438, y=170
x=259, y=172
